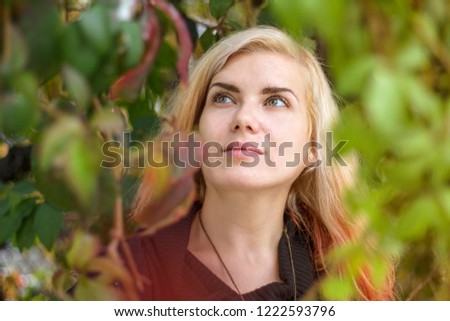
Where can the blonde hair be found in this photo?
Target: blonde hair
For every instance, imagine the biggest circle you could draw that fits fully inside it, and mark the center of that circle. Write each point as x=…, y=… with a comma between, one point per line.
x=315, y=199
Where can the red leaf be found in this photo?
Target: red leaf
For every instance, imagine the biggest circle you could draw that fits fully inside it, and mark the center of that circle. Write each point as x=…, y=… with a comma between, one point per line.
x=129, y=85
x=159, y=212
x=158, y=205
x=183, y=37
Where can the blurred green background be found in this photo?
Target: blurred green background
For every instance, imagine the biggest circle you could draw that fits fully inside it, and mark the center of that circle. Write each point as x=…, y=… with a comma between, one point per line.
x=388, y=63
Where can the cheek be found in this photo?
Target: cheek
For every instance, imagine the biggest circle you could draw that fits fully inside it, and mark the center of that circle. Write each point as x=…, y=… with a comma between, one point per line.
x=293, y=140
x=210, y=126
x=290, y=148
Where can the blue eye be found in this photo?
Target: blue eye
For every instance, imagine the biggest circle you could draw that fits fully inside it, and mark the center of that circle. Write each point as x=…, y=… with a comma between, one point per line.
x=277, y=101
x=221, y=98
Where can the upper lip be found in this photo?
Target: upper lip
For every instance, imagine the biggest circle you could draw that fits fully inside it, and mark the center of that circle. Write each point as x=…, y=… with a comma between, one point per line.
x=250, y=146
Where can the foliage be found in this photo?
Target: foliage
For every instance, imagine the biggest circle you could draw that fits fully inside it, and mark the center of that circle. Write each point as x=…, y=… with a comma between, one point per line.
x=75, y=74
x=390, y=64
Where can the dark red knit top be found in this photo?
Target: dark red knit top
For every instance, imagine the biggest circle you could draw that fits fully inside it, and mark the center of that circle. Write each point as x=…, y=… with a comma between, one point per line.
x=176, y=274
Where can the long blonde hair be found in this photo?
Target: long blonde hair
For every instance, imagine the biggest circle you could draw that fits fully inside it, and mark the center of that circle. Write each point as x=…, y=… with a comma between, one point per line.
x=315, y=199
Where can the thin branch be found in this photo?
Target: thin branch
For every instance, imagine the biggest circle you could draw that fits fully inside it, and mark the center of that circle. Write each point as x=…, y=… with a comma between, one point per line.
x=421, y=285
x=204, y=22
x=54, y=113
x=117, y=231
x=436, y=46
x=98, y=107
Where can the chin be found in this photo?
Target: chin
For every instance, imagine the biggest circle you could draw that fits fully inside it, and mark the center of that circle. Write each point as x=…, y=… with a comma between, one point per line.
x=248, y=178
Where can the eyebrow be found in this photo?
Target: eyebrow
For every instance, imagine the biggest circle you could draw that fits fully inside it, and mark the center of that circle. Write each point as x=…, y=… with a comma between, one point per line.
x=265, y=91
x=226, y=86
x=275, y=90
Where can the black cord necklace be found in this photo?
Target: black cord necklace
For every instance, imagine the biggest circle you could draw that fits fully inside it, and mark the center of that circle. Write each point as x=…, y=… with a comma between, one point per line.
x=218, y=255
x=291, y=258
x=228, y=272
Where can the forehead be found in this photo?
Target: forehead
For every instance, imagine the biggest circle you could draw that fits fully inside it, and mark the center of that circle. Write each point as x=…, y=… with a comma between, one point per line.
x=266, y=68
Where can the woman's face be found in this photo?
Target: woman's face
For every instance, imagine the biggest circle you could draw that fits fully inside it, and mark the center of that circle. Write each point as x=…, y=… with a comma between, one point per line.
x=254, y=124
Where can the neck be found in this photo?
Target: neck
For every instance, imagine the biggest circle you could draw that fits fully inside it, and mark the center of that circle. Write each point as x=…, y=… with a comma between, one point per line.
x=244, y=222
x=241, y=232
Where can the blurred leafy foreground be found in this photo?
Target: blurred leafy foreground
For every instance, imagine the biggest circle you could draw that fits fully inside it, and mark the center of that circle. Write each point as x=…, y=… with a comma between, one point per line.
x=78, y=73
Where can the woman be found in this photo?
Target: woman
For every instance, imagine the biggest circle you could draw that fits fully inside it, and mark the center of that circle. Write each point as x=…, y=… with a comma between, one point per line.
x=269, y=206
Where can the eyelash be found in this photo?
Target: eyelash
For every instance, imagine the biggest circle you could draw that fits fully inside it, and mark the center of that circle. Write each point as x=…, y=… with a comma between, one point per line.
x=284, y=100
x=225, y=95
x=220, y=94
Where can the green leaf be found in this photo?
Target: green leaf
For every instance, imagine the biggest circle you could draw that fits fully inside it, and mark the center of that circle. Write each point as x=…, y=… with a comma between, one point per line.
x=412, y=55
x=352, y=80
x=10, y=223
x=84, y=248
x=77, y=86
x=5, y=206
x=283, y=11
x=218, y=8
x=379, y=270
x=408, y=172
x=26, y=234
x=109, y=121
x=24, y=208
x=417, y=218
x=56, y=139
x=18, y=115
x=77, y=53
x=92, y=290
x=236, y=26
x=27, y=84
x=19, y=52
x=81, y=170
x=132, y=39
x=48, y=222
x=337, y=288
x=413, y=143
x=427, y=25
x=167, y=56
x=51, y=184
x=444, y=201
x=207, y=39
x=20, y=109
x=145, y=120
x=422, y=100
x=155, y=81
x=24, y=187
x=351, y=254
x=42, y=27
x=383, y=103
x=95, y=25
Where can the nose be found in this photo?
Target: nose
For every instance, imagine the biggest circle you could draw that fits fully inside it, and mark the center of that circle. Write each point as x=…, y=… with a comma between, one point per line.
x=245, y=119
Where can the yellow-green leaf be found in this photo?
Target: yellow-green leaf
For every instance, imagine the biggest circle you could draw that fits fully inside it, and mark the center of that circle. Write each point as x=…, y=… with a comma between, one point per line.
x=91, y=290
x=384, y=104
x=84, y=248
